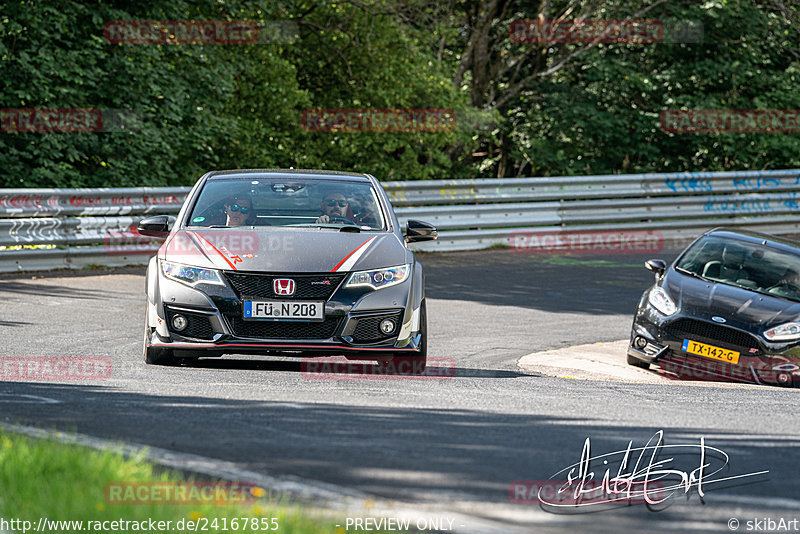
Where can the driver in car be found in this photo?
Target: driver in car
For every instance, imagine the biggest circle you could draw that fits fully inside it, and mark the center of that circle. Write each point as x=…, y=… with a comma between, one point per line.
x=239, y=211
x=335, y=206
x=790, y=278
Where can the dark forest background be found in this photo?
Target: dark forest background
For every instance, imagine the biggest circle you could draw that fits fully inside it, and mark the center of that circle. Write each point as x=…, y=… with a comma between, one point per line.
x=522, y=109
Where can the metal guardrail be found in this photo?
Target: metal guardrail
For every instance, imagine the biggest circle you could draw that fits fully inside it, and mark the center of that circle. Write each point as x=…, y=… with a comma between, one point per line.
x=565, y=188
x=96, y=202
x=94, y=226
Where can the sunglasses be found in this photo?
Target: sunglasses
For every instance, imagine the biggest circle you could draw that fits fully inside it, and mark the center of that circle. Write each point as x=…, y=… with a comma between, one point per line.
x=235, y=208
x=340, y=203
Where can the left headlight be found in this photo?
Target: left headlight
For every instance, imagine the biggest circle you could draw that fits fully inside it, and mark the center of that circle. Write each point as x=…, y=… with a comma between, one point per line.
x=784, y=332
x=380, y=278
x=188, y=275
x=659, y=299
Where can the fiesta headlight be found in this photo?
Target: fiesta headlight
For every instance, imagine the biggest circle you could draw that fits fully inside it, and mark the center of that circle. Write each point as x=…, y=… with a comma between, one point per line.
x=784, y=332
x=190, y=275
x=659, y=299
x=380, y=278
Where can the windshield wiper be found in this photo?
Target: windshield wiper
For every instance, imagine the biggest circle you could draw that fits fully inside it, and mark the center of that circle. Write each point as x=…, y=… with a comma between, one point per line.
x=691, y=273
x=341, y=228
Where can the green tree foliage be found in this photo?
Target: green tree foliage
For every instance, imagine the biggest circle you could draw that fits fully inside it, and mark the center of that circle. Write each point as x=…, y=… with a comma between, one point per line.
x=357, y=57
x=521, y=109
x=603, y=117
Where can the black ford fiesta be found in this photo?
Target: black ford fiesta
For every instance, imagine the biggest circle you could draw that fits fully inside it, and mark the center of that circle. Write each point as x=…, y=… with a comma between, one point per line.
x=286, y=262
x=727, y=309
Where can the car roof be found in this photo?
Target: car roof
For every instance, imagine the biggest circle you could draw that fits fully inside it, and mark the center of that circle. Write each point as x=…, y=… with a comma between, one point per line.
x=305, y=174
x=756, y=238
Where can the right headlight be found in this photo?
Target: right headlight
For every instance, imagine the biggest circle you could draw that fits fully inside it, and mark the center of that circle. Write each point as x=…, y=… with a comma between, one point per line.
x=784, y=332
x=659, y=299
x=380, y=278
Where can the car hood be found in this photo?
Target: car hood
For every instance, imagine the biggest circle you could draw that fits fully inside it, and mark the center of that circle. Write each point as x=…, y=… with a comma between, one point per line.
x=284, y=250
x=741, y=308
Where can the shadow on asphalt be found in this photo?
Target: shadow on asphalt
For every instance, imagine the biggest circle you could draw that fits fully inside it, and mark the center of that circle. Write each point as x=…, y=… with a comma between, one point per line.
x=400, y=452
x=351, y=369
x=607, y=284
x=582, y=283
x=49, y=290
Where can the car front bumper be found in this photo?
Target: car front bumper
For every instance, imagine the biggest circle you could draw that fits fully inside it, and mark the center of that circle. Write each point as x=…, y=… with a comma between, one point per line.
x=216, y=324
x=658, y=339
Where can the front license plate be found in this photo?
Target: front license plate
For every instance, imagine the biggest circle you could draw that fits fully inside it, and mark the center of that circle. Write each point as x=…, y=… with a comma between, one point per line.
x=710, y=351
x=284, y=310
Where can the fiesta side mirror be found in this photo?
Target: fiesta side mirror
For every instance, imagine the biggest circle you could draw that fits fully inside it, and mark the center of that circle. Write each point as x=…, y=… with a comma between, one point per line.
x=158, y=226
x=656, y=266
x=417, y=231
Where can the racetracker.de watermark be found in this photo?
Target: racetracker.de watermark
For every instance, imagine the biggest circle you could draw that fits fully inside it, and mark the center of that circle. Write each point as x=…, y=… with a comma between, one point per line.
x=52, y=368
x=378, y=120
x=67, y=120
x=174, y=32
x=566, y=493
x=586, y=242
x=756, y=371
x=341, y=369
x=730, y=121
x=638, y=31
x=182, y=493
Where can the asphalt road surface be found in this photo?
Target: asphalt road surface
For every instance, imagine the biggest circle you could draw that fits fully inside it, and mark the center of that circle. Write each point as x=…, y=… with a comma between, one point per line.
x=456, y=442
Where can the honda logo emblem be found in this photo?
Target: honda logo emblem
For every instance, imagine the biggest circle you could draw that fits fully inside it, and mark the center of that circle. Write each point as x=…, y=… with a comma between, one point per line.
x=283, y=286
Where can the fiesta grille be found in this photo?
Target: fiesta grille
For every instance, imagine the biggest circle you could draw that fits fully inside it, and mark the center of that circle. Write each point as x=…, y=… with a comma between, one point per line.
x=308, y=286
x=285, y=329
x=198, y=325
x=368, y=329
x=712, y=333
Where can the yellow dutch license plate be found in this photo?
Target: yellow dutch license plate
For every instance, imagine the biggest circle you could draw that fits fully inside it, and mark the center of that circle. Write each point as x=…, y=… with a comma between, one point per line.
x=710, y=351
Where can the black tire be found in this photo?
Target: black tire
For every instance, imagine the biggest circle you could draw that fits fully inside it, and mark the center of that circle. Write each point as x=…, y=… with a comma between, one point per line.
x=155, y=355
x=402, y=364
x=636, y=362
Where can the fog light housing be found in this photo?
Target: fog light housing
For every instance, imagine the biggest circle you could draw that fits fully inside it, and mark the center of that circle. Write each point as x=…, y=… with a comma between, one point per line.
x=387, y=326
x=179, y=322
x=639, y=342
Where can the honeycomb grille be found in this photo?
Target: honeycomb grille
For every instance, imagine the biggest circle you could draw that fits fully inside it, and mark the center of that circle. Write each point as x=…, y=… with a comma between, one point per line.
x=368, y=329
x=198, y=327
x=712, y=333
x=284, y=329
x=308, y=286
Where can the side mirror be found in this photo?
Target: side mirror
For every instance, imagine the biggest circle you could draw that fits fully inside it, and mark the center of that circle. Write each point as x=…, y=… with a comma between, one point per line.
x=158, y=226
x=417, y=231
x=656, y=266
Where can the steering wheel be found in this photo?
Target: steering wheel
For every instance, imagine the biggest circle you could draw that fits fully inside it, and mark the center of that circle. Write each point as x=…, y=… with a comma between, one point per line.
x=785, y=287
x=335, y=219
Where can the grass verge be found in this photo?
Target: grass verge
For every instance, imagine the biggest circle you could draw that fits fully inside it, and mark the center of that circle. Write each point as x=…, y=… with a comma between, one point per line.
x=63, y=482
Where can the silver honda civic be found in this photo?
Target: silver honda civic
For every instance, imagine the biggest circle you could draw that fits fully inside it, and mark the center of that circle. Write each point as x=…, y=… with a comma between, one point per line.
x=289, y=263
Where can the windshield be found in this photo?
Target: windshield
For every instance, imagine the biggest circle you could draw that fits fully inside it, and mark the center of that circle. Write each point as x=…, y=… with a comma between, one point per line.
x=738, y=263
x=288, y=202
